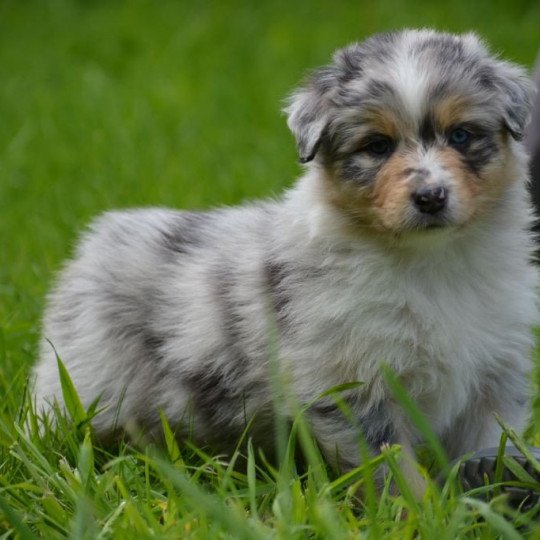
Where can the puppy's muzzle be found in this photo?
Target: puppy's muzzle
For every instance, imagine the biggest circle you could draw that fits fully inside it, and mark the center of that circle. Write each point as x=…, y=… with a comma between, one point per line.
x=430, y=200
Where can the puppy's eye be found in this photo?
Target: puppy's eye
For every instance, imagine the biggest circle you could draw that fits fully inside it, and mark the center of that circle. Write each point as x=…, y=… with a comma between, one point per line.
x=379, y=147
x=459, y=137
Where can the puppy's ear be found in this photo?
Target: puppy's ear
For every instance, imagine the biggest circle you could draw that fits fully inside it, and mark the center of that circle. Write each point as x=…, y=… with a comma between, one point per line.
x=517, y=92
x=309, y=110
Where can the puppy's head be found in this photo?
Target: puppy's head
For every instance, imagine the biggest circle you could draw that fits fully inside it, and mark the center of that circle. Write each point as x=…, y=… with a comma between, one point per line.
x=414, y=130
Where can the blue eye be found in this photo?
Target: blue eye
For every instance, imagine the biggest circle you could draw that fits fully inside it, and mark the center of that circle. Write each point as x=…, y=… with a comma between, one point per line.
x=459, y=136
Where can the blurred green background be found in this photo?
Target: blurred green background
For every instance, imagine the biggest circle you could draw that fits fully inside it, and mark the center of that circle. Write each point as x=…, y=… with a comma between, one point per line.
x=115, y=104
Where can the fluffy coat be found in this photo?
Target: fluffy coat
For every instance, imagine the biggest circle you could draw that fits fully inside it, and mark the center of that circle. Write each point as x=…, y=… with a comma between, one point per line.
x=179, y=312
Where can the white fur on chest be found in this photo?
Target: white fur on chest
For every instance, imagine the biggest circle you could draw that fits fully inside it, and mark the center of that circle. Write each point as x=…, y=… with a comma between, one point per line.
x=443, y=318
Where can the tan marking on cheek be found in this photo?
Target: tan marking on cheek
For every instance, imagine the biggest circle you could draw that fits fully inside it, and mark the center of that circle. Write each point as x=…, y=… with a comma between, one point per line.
x=353, y=199
x=374, y=207
x=487, y=186
x=392, y=191
x=468, y=190
x=496, y=173
x=346, y=195
x=464, y=179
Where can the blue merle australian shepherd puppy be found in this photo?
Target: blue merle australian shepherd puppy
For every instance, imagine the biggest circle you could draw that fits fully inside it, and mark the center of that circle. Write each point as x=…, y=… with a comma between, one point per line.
x=405, y=242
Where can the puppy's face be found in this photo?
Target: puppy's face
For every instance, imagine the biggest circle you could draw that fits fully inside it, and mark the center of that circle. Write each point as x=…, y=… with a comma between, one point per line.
x=414, y=130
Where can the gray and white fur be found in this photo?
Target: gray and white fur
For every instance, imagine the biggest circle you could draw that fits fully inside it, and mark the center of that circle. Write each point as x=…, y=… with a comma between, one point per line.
x=405, y=242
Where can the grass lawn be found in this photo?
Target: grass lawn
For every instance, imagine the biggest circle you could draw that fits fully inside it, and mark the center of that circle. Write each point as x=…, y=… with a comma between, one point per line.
x=109, y=104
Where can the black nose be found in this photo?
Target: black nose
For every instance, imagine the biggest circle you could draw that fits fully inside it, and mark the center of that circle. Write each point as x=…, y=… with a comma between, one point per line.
x=430, y=200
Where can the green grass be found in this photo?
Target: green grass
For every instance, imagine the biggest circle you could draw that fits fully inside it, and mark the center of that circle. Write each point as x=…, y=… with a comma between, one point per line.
x=113, y=104
x=58, y=482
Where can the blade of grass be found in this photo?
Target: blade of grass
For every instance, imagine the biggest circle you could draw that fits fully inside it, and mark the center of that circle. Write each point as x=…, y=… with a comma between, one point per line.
x=499, y=466
x=208, y=504
x=519, y=444
x=399, y=479
x=15, y=521
x=73, y=403
x=251, y=479
x=497, y=522
x=518, y=471
x=416, y=417
x=170, y=440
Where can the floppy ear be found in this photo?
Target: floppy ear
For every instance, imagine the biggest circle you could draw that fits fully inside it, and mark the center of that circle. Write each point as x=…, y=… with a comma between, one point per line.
x=517, y=92
x=308, y=112
x=310, y=108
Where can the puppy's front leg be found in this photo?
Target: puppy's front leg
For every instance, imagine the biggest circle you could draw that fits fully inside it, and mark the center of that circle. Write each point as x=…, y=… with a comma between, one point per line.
x=477, y=428
x=339, y=440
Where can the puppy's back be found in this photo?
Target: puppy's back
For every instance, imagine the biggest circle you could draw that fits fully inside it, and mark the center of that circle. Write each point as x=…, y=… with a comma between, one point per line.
x=144, y=302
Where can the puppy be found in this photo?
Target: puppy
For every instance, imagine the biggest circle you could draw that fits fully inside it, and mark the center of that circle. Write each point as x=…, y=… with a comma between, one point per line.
x=405, y=242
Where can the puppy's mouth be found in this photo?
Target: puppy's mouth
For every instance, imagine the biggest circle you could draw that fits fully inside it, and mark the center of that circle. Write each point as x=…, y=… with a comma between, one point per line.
x=422, y=230
x=412, y=222
x=419, y=226
x=431, y=223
